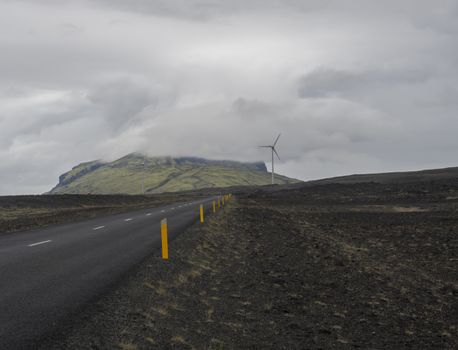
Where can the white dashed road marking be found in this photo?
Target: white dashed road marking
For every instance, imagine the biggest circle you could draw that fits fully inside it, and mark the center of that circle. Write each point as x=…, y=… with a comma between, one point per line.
x=148, y=214
x=38, y=243
x=98, y=227
x=129, y=219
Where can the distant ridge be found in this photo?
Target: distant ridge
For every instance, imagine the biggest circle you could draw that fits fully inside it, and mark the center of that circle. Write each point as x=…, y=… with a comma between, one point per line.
x=393, y=177
x=161, y=174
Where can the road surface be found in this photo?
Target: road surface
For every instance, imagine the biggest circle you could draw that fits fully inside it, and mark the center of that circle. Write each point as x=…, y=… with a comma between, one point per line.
x=47, y=275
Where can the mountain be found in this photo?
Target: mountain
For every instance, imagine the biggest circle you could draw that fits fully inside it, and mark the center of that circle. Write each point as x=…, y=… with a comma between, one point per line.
x=161, y=174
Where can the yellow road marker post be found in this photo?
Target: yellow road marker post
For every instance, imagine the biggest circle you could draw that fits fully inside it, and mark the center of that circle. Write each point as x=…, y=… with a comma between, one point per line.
x=201, y=213
x=214, y=207
x=219, y=202
x=165, y=243
x=223, y=200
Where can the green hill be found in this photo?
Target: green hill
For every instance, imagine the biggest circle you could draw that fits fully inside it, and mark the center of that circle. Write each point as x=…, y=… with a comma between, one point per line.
x=161, y=174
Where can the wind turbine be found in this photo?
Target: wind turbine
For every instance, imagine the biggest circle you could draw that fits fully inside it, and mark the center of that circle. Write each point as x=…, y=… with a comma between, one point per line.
x=272, y=147
x=143, y=175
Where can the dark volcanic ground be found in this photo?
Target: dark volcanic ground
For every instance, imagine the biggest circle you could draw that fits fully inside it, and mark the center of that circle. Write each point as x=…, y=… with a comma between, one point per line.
x=363, y=266
x=31, y=211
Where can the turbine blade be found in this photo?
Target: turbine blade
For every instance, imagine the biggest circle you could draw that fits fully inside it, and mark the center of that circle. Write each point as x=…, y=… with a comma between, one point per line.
x=266, y=146
x=275, y=151
x=276, y=140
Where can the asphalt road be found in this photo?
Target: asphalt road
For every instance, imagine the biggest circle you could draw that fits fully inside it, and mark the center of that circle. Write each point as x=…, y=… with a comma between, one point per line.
x=47, y=275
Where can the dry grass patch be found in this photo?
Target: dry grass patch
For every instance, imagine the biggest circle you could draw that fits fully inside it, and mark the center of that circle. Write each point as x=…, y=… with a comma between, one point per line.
x=127, y=346
x=158, y=289
x=161, y=310
x=150, y=340
x=387, y=209
x=178, y=339
x=210, y=312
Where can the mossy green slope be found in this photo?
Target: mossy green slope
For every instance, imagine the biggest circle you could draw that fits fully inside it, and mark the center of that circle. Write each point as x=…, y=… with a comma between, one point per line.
x=161, y=174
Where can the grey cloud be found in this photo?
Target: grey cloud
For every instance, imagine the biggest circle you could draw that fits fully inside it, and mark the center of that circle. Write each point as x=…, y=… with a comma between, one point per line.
x=70, y=29
x=220, y=130
x=325, y=82
x=424, y=13
x=36, y=115
x=196, y=9
x=122, y=100
x=440, y=18
x=254, y=109
x=353, y=85
x=63, y=65
x=331, y=82
x=13, y=92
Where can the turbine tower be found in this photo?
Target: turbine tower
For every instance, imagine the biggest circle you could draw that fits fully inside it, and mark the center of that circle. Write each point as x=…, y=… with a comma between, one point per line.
x=143, y=175
x=272, y=147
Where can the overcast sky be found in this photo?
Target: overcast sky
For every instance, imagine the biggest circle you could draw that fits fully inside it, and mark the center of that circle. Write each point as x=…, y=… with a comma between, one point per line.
x=354, y=86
